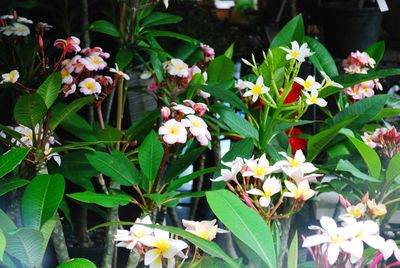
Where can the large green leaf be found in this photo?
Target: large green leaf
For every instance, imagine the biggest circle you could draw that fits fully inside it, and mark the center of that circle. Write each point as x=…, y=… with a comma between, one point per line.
x=371, y=158
x=108, y=201
x=75, y=165
x=178, y=166
x=175, y=184
x=346, y=165
x=293, y=254
x=41, y=199
x=220, y=69
x=112, y=166
x=183, y=37
x=7, y=185
x=393, y=170
x=229, y=51
x=29, y=110
x=46, y=231
x=123, y=58
x=160, y=18
x=6, y=224
x=293, y=30
x=321, y=58
x=3, y=243
x=106, y=27
x=237, y=123
x=25, y=245
x=376, y=51
x=242, y=148
x=50, y=89
x=77, y=263
x=141, y=128
x=109, y=135
x=150, y=155
x=62, y=112
x=244, y=223
x=11, y=159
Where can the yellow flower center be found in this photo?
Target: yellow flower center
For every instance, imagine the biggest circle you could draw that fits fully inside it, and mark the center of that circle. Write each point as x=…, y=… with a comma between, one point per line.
x=20, y=29
x=89, y=86
x=174, y=130
x=365, y=89
x=96, y=60
x=64, y=73
x=257, y=89
x=313, y=99
x=162, y=246
x=355, y=212
x=260, y=171
x=268, y=193
x=308, y=84
x=293, y=162
x=294, y=54
x=12, y=76
x=335, y=239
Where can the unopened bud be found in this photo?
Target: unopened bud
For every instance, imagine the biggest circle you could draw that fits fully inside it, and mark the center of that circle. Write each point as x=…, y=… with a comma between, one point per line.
x=165, y=113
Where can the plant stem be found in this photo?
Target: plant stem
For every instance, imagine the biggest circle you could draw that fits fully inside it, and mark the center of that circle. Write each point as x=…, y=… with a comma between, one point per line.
x=58, y=238
x=161, y=168
x=120, y=92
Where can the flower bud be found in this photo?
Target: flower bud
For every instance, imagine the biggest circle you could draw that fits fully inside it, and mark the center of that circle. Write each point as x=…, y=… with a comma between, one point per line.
x=165, y=112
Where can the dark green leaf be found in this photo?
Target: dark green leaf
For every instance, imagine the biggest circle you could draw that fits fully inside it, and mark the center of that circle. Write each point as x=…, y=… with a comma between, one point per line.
x=173, y=35
x=182, y=163
x=123, y=58
x=243, y=148
x=141, y=128
x=150, y=155
x=293, y=30
x=346, y=165
x=220, y=69
x=371, y=158
x=106, y=27
x=50, y=89
x=393, y=170
x=103, y=200
x=11, y=159
x=29, y=110
x=376, y=51
x=160, y=18
x=7, y=185
x=321, y=58
x=175, y=184
x=109, y=134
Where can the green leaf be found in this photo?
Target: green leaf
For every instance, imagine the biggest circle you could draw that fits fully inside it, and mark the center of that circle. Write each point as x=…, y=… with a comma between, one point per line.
x=293, y=254
x=75, y=165
x=50, y=89
x=293, y=30
x=41, y=199
x=150, y=155
x=237, y=123
x=10, y=185
x=62, y=112
x=108, y=201
x=141, y=128
x=6, y=224
x=385, y=113
x=3, y=243
x=24, y=245
x=242, y=148
x=179, y=165
x=11, y=159
x=29, y=110
x=393, y=170
x=123, y=58
x=115, y=166
x=183, y=37
x=321, y=58
x=229, y=51
x=220, y=69
x=318, y=142
x=376, y=51
x=175, y=184
x=46, y=231
x=346, y=165
x=77, y=263
x=244, y=223
x=109, y=134
x=106, y=27
x=371, y=158
x=160, y=18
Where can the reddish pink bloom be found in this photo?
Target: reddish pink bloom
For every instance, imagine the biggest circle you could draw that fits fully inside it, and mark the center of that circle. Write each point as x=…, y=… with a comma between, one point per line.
x=69, y=45
x=209, y=53
x=153, y=86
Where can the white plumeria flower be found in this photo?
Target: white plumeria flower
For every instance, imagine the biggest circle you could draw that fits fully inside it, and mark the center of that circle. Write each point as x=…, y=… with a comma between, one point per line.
x=204, y=139
x=119, y=72
x=203, y=94
x=230, y=174
x=66, y=76
x=11, y=77
x=173, y=132
x=296, y=52
x=182, y=108
x=166, y=3
x=21, y=29
x=356, y=211
x=270, y=187
x=196, y=125
x=7, y=30
x=312, y=98
x=301, y=191
x=368, y=140
x=162, y=247
x=239, y=84
x=376, y=209
x=390, y=249
x=89, y=86
x=298, y=175
x=49, y=155
x=24, y=20
x=129, y=239
x=292, y=164
x=146, y=74
x=329, y=82
x=255, y=89
x=309, y=84
x=26, y=135
x=332, y=237
x=259, y=168
x=205, y=229
x=71, y=90
x=177, y=67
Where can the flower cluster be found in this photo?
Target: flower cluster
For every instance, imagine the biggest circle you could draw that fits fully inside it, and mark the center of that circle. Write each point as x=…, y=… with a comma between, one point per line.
x=258, y=180
x=187, y=115
x=156, y=245
x=14, y=25
x=387, y=140
x=359, y=63
x=209, y=53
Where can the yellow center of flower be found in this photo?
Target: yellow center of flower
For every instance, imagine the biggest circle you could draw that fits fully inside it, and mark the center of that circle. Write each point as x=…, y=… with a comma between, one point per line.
x=162, y=246
x=308, y=84
x=260, y=171
x=365, y=89
x=257, y=89
x=89, y=86
x=179, y=67
x=96, y=60
x=293, y=162
x=12, y=76
x=20, y=29
x=64, y=73
x=174, y=130
x=298, y=194
x=355, y=212
x=335, y=239
x=313, y=99
x=294, y=54
x=379, y=210
x=268, y=193
x=360, y=235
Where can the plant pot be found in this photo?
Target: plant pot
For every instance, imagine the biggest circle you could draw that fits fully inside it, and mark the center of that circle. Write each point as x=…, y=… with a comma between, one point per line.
x=348, y=29
x=391, y=19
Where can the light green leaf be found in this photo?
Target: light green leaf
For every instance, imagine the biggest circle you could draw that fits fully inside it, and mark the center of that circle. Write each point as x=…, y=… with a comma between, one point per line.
x=6, y=224
x=77, y=263
x=293, y=30
x=103, y=200
x=41, y=199
x=123, y=58
x=229, y=52
x=371, y=158
x=293, y=254
x=29, y=110
x=237, y=123
x=50, y=89
x=393, y=170
x=3, y=243
x=386, y=112
x=160, y=18
x=243, y=148
x=346, y=165
x=8, y=185
x=150, y=155
x=11, y=159
x=244, y=223
x=376, y=51
x=106, y=27
x=220, y=69
x=46, y=231
x=321, y=58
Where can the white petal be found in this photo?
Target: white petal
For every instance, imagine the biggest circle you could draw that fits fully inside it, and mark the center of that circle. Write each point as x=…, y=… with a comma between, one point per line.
x=151, y=256
x=314, y=240
x=255, y=192
x=328, y=224
x=333, y=253
x=264, y=202
x=260, y=81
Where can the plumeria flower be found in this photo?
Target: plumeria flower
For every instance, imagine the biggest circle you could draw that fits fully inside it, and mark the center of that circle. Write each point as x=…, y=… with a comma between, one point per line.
x=332, y=237
x=312, y=98
x=368, y=140
x=203, y=94
x=366, y=89
x=89, y=86
x=26, y=135
x=49, y=155
x=24, y=20
x=390, y=249
x=71, y=44
x=356, y=211
x=270, y=187
x=296, y=52
x=376, y=209
x=165, y=113
x=146, y=74
x=182, y=108
x=230, y=174
x=208, y=52
x=11, y=77
x=95, y=51
x=309, y=84
x=255, y=89
x=177, y=67
x=70, y=90
x=301, y=191
x=173, y=132
x=298, y=175
x=21, y=29
x=328, y=82
x=292, y=164
x=196, y=125
x=166, y=3
x=66, y=76
x=129, y=239
x=205, y=229
x=239, y=84
x=7, y=30
x=204, y=139
x=94, y=63
x=162, y=247
x=259, y=168
x=119, y=73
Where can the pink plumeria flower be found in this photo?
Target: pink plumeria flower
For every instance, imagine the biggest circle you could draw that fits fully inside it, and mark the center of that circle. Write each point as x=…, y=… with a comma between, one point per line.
x=208, y=52
x=66, y=76
x=11, y=77
x=368, y=140
x=89, y=86
x=94, y=63
x=309, y=84
x=96, y=51
x=256, y=89
x=69, y=45
x=71, y=89
x=296, y=52
x=239, y=84
x=119, y=73
x=205, y=229
x=366, y=89
x=312, y=98
x=259, y=168
x=176, y=67
x=129, y=239
x=230, y=174
x=173, y=132
x=165, y=113
x=270, y=187
x=182, y=108
x=301, y=191
x=377, y=84
x=204, y=139
x=196, y=125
